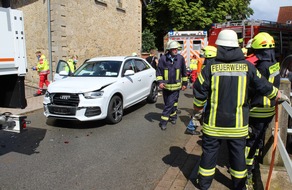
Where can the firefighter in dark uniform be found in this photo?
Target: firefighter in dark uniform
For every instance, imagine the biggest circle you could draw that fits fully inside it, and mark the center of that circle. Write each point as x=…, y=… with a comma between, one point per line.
x=262, y=109
x=172, y=77
x=224, y=86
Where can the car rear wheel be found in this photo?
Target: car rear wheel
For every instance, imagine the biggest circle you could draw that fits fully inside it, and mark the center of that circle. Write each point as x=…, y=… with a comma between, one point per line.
x=115, y=110
x=152, y=98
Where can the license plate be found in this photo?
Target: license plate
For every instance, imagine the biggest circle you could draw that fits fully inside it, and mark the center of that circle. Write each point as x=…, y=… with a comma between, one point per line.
x=62, y=110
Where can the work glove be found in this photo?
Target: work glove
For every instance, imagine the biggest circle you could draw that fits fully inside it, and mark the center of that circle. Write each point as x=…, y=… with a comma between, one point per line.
x=197, y=115
x=282, y=98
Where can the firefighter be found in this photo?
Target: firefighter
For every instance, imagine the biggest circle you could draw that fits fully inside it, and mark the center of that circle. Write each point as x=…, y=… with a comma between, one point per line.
x=262, y=109
x=226, y=112
x=172, y=77
x=43, y=70
x=210, y=53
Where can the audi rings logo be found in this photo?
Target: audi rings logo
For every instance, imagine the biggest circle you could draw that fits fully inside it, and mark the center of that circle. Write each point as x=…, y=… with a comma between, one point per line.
x=64, y=97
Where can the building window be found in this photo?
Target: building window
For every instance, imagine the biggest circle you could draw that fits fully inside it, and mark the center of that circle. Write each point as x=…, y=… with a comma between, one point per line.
x=120, y=6
x=119, y=3
x=101, y=2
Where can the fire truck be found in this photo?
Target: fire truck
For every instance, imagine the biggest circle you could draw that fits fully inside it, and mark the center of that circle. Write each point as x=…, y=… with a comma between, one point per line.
x=191, y=42
x=13, y=68
x=247, y=29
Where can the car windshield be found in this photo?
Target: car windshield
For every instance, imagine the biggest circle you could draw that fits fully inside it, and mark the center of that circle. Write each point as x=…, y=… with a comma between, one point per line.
x=99, y=69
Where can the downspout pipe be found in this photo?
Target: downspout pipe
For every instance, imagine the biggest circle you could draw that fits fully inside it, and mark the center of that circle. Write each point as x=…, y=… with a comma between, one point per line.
x=50, y=39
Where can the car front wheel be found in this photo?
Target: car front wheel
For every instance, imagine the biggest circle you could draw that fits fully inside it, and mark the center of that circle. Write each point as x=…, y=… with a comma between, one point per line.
x=152, y=98
x=115, y=110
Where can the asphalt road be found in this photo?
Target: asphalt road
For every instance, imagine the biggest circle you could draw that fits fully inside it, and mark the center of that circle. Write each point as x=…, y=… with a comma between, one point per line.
x=133, y=154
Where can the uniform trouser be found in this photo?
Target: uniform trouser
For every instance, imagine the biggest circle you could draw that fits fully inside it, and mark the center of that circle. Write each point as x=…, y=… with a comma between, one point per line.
x=256, y=139
x=43, y=80
x=207, y=167
x=170, y=99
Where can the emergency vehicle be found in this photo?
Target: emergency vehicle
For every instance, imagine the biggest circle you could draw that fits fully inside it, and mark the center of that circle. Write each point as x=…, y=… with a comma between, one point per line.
x=191, y=42
x=247, y=29
x=13, y=68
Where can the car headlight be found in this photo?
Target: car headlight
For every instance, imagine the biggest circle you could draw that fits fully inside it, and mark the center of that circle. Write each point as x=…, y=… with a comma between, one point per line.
x=47, y=94
x=93, y=95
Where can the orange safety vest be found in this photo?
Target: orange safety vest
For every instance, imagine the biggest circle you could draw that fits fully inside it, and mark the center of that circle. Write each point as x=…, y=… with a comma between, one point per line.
x=200, y=64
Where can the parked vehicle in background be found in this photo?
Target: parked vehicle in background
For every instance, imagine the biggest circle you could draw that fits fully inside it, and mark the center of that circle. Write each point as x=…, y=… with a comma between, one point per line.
x=101, y=88
x=247, y=29
x=191, y=42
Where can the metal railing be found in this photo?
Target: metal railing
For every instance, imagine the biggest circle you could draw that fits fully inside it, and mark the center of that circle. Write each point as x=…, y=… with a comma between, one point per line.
x=281, y=147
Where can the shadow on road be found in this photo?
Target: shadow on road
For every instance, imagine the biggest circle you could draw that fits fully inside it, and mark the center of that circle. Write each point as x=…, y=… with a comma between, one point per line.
x=189, y=164
x=189, y=95
x=23, y=143
x=178, y=157
x=72, y=124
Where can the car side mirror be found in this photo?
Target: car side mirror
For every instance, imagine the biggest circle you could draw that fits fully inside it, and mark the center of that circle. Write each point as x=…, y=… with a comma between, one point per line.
x=129, y=72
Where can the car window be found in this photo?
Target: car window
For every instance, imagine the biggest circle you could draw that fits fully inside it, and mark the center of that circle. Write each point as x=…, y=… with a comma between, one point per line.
x=129, y=65
x=62, y=66
x=99, y=68
x=140, y=65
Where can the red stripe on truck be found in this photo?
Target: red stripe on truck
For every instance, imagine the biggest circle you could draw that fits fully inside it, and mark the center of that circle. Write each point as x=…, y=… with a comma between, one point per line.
x=6, y=59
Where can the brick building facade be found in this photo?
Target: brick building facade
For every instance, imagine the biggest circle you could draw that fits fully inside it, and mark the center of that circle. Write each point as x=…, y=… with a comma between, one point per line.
x=88, y=28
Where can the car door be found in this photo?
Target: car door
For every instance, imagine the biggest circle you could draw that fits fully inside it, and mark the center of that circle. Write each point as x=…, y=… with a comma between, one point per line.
x=130, y=83
x=145, y=75
x=62, y=70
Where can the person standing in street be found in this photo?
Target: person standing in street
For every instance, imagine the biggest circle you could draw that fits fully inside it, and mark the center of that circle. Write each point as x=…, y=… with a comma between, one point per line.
x=43, y=70
x=193, y=68
x=152, y=59
x=226, y=111
x=262, y=109
x=172, y=77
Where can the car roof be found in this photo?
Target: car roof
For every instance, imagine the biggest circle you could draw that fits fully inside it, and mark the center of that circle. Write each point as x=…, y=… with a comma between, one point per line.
x=112, y=58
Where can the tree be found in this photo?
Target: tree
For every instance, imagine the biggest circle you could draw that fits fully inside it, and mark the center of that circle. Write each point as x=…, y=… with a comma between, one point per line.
x=148, y=41
x=161, y=16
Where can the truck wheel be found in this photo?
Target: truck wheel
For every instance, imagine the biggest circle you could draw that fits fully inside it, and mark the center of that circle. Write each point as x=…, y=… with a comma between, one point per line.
x=115, y=110
x=152, y=98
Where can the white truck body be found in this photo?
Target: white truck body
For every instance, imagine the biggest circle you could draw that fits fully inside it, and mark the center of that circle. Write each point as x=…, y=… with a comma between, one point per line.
x=12, y=48
x=13, y=68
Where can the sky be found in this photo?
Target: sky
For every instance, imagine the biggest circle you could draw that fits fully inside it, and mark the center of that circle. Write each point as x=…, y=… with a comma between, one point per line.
x=267, y=9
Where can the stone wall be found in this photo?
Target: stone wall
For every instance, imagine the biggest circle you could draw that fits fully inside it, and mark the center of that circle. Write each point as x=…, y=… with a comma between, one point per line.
x=88, y=28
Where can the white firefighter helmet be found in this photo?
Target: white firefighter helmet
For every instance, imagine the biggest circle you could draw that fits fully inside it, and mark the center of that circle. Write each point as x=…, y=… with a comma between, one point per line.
x=173, y=45
x=227, y=38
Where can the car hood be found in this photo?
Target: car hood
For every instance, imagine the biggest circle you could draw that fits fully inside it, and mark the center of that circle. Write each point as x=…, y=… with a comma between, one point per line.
x=80, y=84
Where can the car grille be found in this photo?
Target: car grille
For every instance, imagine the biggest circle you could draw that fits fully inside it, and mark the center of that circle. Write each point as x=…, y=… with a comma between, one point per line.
x=65, y=99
